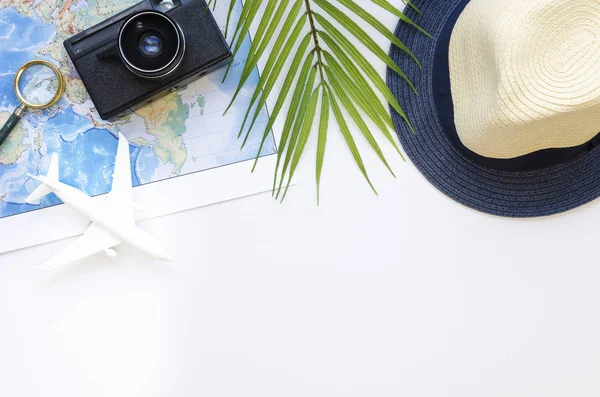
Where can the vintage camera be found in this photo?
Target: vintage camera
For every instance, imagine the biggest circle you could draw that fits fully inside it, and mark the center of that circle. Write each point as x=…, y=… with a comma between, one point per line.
x=145, y=52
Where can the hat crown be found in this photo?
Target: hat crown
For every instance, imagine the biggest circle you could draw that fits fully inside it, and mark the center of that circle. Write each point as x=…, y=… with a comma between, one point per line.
x=525, y=75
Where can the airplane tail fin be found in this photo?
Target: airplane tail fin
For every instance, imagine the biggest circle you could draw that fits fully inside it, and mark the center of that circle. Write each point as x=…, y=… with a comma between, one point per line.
x=43, y=189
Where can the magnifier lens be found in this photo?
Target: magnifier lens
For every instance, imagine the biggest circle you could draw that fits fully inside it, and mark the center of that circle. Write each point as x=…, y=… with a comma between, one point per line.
x=38, y=85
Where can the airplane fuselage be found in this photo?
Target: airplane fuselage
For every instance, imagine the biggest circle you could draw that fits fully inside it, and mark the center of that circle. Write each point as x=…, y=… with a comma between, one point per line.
x=109, y=222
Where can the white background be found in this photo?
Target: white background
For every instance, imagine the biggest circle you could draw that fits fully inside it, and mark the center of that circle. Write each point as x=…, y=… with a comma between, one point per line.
x=405, y=294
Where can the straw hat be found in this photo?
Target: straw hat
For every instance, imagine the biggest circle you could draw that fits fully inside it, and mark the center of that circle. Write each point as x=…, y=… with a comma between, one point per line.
x=508, y=112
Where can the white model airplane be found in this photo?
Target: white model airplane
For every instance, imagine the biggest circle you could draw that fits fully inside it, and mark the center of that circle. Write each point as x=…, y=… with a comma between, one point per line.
x=113, y=220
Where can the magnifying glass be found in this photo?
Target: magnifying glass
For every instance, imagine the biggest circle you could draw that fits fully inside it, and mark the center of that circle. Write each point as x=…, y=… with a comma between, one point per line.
x=38, y=85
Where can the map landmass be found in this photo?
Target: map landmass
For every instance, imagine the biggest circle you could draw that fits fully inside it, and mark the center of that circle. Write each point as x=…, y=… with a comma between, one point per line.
x=178, y=134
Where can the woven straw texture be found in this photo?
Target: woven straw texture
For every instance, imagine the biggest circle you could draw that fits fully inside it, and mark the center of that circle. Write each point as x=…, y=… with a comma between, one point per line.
x=533, y=193
x=526, y=75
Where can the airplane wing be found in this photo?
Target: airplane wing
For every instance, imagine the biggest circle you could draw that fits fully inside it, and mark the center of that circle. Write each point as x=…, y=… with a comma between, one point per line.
x=120, y=199
x=94, y=240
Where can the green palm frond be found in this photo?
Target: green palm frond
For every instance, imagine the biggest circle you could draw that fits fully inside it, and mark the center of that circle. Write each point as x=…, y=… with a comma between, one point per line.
x=327, y=69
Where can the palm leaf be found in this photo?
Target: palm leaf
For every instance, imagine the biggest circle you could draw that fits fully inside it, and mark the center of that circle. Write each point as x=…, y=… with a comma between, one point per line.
x=323, y=126
x=327, y=43
x=357, y=77
x=304, y=133
x=298, y=122
x=351, y=108
x=287, y=85
x=291, y=116
x=363, y=98
x=350, y=140
x=253, y=59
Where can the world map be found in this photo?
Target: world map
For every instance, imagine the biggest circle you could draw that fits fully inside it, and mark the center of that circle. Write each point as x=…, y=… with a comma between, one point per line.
x=185, y=132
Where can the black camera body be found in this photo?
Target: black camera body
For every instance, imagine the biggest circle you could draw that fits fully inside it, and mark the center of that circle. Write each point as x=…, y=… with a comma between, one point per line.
x=146, y=52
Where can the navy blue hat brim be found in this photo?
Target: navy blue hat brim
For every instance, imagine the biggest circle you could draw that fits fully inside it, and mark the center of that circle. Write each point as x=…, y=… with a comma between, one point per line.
x=541, y=184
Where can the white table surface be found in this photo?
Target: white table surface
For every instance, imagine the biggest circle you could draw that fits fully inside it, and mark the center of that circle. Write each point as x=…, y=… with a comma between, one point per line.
x=405, y=294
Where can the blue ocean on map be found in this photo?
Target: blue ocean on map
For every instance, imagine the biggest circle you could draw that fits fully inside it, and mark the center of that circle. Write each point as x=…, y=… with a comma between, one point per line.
x=86, y=153
x=18, y=48
x=86, y=145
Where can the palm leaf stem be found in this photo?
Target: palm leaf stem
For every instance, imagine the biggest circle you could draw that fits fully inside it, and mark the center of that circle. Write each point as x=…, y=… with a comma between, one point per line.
x=315, y=36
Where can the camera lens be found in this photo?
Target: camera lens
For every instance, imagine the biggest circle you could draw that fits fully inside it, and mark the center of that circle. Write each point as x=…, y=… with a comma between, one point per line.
x=151, y=44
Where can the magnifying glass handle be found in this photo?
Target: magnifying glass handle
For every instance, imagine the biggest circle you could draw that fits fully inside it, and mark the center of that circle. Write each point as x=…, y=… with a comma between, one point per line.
x=11, y=123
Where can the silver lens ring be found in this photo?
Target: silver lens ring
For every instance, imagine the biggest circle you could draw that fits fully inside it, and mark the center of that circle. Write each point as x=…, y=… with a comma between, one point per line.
x=166, y=69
